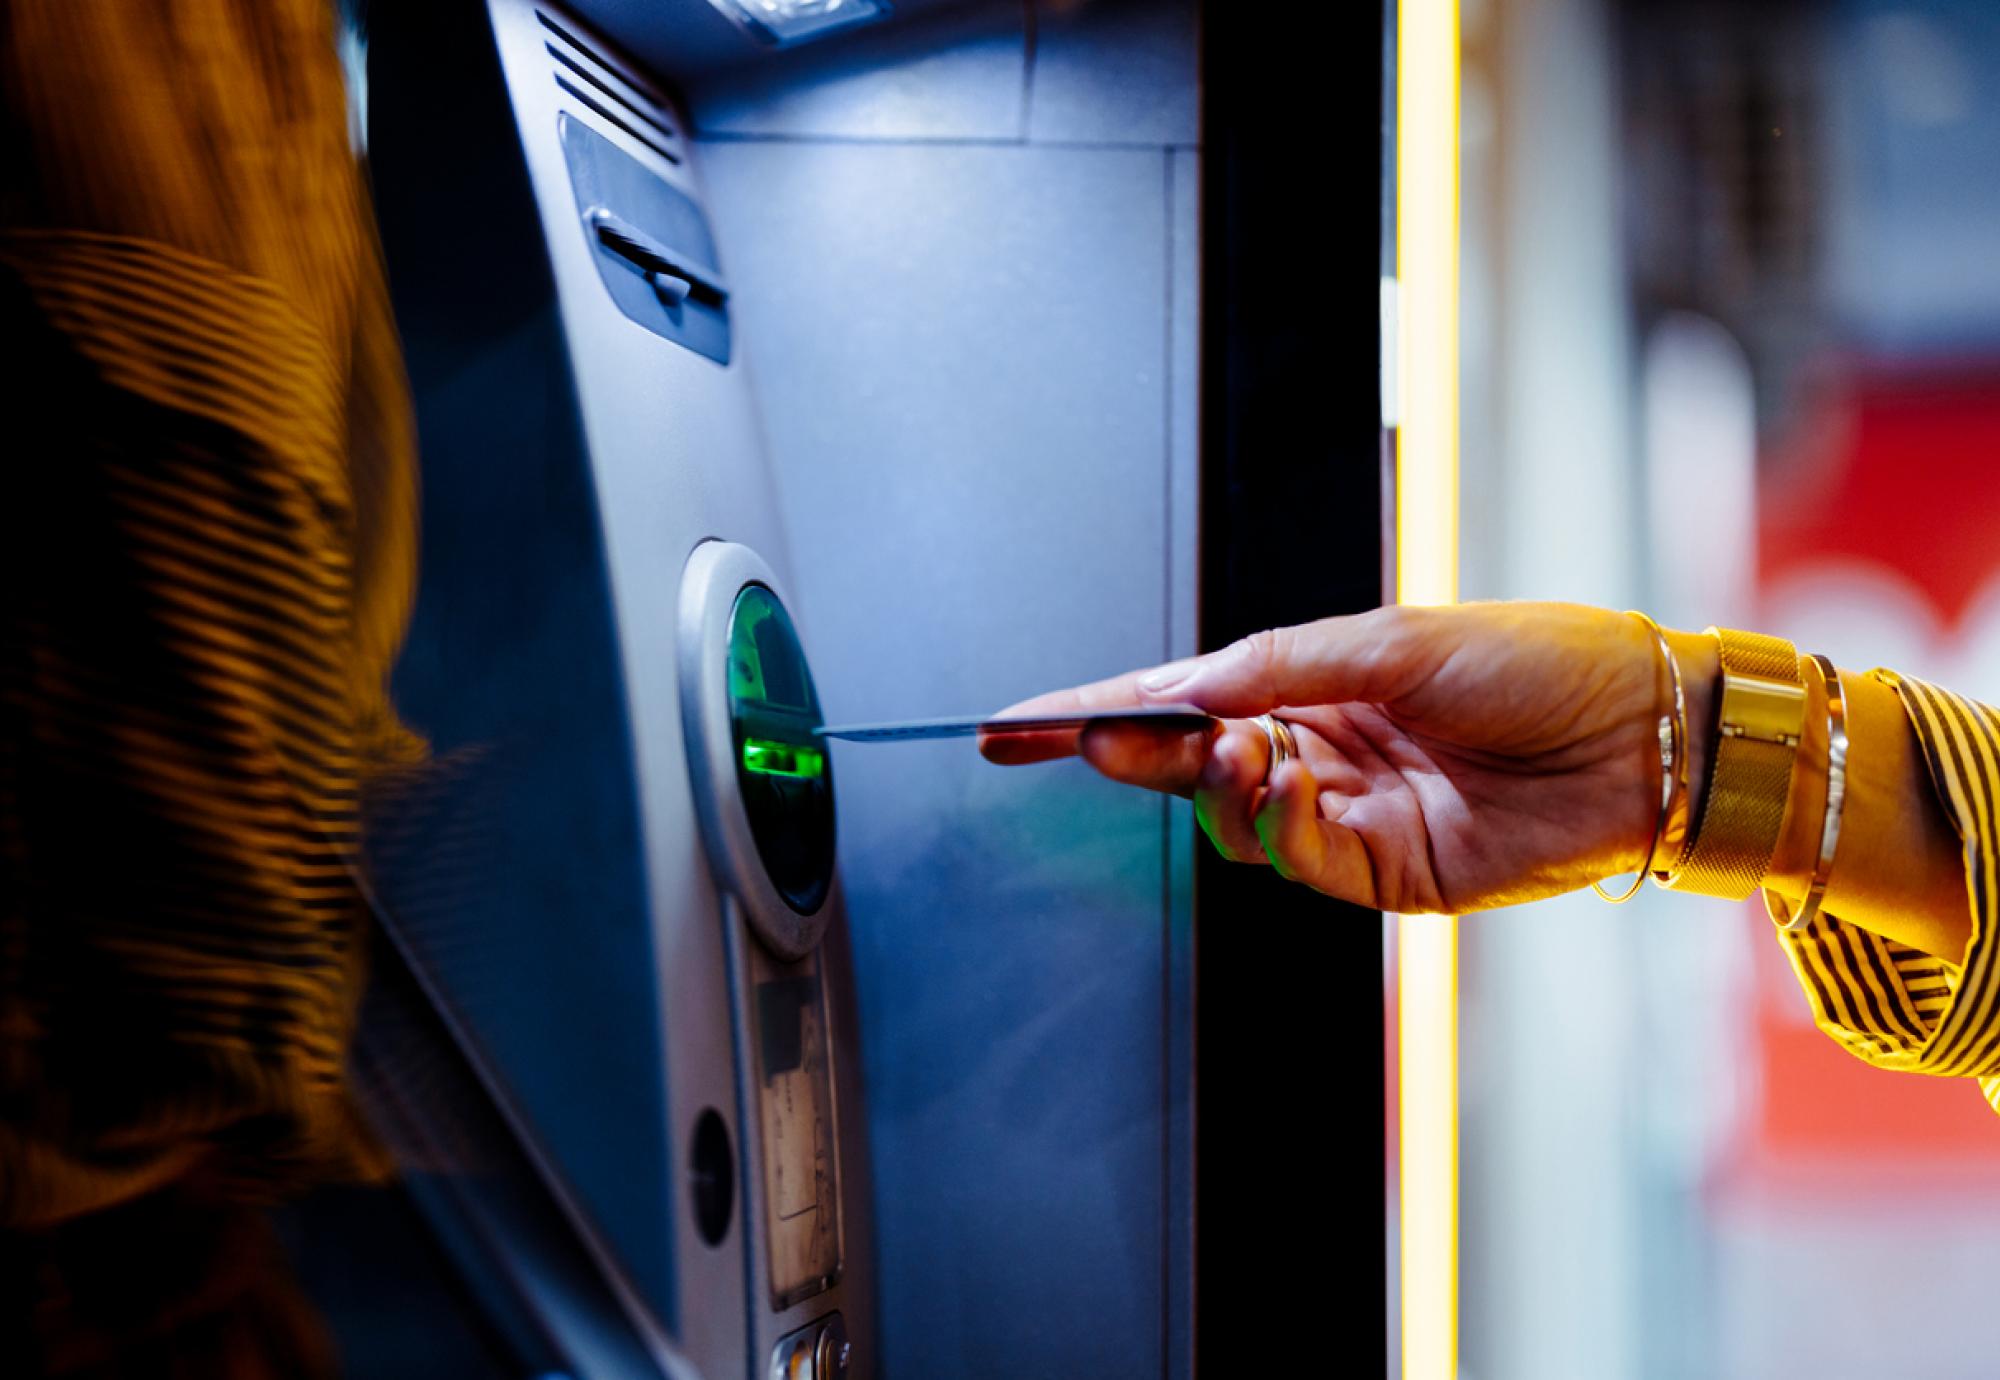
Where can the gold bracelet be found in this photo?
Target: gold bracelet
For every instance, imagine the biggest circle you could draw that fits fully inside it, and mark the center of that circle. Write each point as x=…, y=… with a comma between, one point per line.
x=1673, y=764
x=1761, y=714
x=1675, y=833
x=1836, y=799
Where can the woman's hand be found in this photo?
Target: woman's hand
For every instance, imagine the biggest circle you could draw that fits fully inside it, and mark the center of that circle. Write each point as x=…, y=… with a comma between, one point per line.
x=1450, y=759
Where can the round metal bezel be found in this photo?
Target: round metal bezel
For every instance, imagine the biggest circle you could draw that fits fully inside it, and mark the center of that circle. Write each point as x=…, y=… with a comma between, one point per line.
x=715, y=574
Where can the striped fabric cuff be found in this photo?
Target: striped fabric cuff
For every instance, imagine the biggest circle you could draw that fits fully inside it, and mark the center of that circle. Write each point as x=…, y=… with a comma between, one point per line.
x=1897, y=1007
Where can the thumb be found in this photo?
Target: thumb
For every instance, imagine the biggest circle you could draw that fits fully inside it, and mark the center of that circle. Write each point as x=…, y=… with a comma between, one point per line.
x=1372, y=656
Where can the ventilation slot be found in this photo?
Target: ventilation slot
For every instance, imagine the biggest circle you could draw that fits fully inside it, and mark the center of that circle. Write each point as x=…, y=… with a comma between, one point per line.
x=602, y=87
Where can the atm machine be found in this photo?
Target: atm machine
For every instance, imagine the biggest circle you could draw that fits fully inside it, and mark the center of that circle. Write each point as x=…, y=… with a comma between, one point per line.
x=611, y=890
x=917, y=367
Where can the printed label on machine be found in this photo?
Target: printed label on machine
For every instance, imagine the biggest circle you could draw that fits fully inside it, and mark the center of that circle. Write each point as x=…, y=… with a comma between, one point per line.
x=796, y=1105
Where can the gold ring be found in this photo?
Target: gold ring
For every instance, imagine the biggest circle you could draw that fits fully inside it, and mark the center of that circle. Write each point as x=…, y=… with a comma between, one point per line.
x=1278, y=735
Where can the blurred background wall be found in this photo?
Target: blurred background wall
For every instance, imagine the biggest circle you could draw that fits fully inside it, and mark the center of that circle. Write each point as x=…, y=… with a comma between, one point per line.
x=1731, y=353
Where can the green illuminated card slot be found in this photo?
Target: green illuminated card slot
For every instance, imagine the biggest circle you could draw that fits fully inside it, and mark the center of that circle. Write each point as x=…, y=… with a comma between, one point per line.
x=766, y=758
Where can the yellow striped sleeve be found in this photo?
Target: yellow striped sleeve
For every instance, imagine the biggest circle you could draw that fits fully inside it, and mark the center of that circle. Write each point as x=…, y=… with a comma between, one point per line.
x=208, y=546
x=1897, y=1007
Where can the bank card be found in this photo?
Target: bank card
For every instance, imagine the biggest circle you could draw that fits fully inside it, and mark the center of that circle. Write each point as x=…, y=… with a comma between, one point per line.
x=1184, y=717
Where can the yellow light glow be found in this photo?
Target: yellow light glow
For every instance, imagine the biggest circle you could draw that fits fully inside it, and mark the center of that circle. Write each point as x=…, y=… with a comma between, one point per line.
x=1427, y=59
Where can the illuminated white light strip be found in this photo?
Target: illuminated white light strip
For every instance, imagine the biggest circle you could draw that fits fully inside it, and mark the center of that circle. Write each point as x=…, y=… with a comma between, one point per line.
x=795, y=21
x=1427, y=63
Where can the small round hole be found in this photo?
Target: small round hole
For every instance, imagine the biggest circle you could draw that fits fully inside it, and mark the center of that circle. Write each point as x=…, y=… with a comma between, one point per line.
x=712, y=1176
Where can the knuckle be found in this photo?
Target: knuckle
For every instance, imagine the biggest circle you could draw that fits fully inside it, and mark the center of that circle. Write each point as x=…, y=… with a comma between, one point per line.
x=1394, y=622
x=1229, y=773
x=1389, y=617
x=1283, y=652
x=1259, y=653
x=1398, y=639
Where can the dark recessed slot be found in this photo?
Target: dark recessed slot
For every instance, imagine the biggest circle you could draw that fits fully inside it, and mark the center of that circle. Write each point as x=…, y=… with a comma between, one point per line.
x=712, y=1176
x=598, y=83
x=649, y=257
x=594, y=48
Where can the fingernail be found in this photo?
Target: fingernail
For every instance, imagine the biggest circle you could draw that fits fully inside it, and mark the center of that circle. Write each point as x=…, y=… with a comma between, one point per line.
x=1168, y=676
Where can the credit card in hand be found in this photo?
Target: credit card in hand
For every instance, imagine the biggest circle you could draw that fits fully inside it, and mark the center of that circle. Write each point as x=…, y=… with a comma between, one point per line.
x=1184, y=717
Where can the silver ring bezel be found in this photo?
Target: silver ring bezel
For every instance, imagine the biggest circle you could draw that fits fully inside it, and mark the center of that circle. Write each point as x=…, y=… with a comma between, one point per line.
x=715, y=574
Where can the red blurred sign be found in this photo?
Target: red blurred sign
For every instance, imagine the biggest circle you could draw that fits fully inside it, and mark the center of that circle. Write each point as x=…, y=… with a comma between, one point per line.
x=1883, y=510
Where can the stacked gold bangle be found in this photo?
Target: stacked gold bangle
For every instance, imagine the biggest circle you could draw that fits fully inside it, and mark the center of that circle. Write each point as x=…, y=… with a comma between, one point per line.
x=1836, y=799
x=1760, y=719
x=1673, y=764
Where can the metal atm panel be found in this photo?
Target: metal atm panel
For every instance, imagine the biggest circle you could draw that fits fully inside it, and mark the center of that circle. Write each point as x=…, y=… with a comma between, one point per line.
x=667, y=1016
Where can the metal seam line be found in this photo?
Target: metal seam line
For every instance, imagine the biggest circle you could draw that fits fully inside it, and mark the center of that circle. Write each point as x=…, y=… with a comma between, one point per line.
x=1427, y=75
